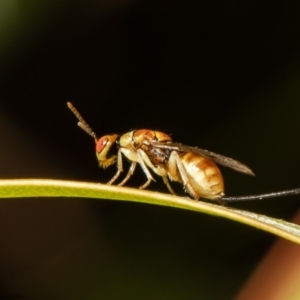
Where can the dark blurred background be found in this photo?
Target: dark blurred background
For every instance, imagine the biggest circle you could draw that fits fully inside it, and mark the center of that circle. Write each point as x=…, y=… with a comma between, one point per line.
x=224, y=76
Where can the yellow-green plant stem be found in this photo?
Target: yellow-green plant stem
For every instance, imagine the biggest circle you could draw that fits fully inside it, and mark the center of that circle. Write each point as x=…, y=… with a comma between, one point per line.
x=20, y=188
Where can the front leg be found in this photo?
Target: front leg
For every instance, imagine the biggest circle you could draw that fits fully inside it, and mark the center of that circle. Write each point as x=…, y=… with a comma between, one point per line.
x=129, y=174
x=119, y=166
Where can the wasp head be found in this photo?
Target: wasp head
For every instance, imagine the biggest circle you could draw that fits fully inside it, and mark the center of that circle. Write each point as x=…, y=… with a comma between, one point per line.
x=107, y=150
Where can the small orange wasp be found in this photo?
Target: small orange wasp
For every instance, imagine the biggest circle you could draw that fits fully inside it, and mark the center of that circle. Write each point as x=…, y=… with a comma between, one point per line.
x=195, y=168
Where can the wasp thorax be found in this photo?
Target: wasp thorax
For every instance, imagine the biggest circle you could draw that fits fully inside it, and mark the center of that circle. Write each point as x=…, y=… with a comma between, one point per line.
x=107, y=149
x=142, y=135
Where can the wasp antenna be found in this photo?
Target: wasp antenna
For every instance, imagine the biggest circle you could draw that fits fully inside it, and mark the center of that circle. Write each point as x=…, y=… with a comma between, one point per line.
x=82, y=123
x=263, y=196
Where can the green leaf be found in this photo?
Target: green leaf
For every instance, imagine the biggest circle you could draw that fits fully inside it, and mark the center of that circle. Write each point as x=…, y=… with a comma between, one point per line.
x=19, y=188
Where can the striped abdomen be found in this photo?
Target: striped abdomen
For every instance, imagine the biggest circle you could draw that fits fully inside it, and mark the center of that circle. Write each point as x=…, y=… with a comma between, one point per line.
x=203, y=174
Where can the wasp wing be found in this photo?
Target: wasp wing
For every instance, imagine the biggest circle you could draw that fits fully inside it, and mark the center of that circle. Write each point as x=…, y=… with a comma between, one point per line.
x=217, y=158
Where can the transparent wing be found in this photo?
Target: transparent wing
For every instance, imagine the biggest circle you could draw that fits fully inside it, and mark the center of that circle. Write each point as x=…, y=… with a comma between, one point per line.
x=217, y=158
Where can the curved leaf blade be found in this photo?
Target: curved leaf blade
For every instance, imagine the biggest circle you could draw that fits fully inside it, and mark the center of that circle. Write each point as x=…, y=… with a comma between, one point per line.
x=19, y=188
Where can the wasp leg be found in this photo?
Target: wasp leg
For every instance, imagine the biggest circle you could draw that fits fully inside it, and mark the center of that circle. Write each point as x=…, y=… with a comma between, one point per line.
x=141, y=160
x=175, y=163
x=129, y=174
x=166, y=182
x=119, y=166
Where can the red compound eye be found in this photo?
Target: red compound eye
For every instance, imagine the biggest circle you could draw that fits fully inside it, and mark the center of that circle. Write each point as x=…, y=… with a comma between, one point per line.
x=101, y=143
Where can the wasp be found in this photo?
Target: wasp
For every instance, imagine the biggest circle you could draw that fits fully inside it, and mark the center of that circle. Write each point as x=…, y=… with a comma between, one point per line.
x=153, y=150
x=193, y=167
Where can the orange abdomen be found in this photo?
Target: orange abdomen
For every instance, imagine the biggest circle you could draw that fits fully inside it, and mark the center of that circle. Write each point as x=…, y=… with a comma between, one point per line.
x=204, y=175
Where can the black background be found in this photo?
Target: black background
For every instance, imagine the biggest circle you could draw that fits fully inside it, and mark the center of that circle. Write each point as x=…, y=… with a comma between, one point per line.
x=223, y=76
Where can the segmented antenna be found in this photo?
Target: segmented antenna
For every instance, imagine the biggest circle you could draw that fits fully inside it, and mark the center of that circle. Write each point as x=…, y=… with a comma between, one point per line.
x=82, y=123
